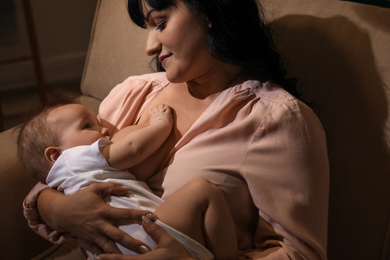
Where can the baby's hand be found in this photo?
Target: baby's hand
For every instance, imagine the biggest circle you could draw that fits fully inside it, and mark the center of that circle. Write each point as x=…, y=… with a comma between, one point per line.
x=161, y=112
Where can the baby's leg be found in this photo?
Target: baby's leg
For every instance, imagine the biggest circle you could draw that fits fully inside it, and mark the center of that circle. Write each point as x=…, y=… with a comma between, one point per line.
x=200, y=211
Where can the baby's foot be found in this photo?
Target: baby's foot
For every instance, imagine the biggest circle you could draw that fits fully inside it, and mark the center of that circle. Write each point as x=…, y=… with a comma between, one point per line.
x=160, y=112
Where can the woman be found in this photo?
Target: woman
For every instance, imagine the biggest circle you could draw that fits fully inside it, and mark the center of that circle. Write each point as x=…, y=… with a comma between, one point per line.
x=237, y=124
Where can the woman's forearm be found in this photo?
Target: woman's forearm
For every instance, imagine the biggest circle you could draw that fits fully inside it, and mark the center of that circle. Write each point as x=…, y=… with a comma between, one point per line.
x=46, y=203
x=87, y=216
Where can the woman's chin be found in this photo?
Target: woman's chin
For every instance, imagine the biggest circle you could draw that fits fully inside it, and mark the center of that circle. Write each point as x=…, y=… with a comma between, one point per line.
x=174, y=77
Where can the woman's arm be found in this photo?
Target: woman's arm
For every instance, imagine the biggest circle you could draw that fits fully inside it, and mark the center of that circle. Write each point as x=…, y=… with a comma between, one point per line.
x=287, y=172
x=35, y=222
x=86, y=216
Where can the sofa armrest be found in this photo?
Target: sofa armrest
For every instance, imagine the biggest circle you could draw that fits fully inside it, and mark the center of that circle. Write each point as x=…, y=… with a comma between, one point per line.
x=91, y=102
x=18, y=241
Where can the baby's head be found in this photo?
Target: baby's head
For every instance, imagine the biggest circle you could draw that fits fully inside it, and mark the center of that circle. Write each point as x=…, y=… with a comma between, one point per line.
x=56, y=128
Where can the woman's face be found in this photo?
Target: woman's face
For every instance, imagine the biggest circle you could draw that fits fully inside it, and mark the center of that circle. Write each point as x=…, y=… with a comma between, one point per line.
x=178, y=38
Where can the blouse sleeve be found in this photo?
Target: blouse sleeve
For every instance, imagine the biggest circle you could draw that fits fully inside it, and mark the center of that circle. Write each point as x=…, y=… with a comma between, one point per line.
x=30, y=211
x=126, y=101
x=287, y=171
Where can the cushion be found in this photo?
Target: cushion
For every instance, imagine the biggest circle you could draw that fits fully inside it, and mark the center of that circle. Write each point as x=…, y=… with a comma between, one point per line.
x=339, y=51
x=116, y=50
x=17, y=240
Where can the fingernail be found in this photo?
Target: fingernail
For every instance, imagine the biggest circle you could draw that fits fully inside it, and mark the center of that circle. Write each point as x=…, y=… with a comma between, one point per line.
x=149, y=218
x=152, y=217
x=143, y=249
x=146, y=219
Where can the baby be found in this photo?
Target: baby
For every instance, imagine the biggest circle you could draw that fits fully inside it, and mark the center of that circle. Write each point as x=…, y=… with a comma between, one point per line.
x=67, y=147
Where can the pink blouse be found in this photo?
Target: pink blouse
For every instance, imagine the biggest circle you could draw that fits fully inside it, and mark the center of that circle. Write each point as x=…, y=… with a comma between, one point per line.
x=264, y=148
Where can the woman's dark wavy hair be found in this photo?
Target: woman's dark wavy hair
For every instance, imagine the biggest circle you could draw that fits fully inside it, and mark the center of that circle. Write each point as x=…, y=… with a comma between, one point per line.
x=238, y=35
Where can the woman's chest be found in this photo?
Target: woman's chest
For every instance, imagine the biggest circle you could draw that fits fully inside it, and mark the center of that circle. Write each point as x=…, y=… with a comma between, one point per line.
x=185, y=109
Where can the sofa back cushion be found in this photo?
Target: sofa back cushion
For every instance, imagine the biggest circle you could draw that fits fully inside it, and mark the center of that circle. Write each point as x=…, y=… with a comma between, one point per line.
x=116, y=50
x=340, y=53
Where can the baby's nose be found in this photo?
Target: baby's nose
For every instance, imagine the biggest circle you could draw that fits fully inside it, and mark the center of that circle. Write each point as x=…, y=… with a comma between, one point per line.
x=105, y=131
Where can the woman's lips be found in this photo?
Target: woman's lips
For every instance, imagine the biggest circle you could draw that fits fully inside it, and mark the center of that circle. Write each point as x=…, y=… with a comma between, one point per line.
x=163, y=59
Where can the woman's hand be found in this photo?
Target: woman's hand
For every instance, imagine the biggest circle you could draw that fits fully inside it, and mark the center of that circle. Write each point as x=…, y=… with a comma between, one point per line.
x=167, y=247
x=86, y=216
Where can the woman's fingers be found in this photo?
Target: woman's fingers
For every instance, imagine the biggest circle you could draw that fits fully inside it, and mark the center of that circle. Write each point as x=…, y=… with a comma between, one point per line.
x=121, y=216
x=109, y=188
x=118, y=216
x=97, y=241
x=103, y=241
x=118, y=257
x=126, y=240
x=107, y=245
x=90, y=246
x=157, y=233
x=91, y=219
x=167, y=247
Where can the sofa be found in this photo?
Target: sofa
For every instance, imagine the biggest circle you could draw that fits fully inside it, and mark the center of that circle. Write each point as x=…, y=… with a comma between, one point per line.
x=338, y=51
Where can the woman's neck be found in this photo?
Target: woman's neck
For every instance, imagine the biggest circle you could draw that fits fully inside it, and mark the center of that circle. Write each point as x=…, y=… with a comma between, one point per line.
x=211, y=84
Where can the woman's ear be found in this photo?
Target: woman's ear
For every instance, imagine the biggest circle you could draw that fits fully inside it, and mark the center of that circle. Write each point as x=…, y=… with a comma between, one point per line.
x=209, y=23
x=52, y=153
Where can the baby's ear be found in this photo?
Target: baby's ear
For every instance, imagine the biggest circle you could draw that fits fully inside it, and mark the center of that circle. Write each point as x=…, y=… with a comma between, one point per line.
x=52, y=153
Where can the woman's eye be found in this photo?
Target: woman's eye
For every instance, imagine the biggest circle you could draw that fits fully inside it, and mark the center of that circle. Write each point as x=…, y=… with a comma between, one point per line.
x=160, y=25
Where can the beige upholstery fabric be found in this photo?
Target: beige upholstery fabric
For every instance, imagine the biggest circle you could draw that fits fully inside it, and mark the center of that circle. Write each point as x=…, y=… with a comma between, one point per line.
x=17, y=240
x=116, y=50
x=339, y=51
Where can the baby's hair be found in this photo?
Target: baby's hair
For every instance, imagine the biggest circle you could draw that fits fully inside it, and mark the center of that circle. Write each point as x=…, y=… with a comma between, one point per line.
x=36, y=134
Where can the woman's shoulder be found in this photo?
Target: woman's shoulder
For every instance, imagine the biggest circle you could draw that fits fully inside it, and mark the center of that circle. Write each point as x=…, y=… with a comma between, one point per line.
x=269, y=91
x=274, y=102
x=288, y=108
x=123, y=103
x=273, y=95
x=138, y=84
x=157, y=78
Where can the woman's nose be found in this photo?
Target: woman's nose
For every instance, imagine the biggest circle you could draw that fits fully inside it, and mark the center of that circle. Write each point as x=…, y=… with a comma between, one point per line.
x=153, y=46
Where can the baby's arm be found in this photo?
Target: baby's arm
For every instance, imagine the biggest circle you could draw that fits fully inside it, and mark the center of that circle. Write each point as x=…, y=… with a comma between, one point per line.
x=140, y=144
